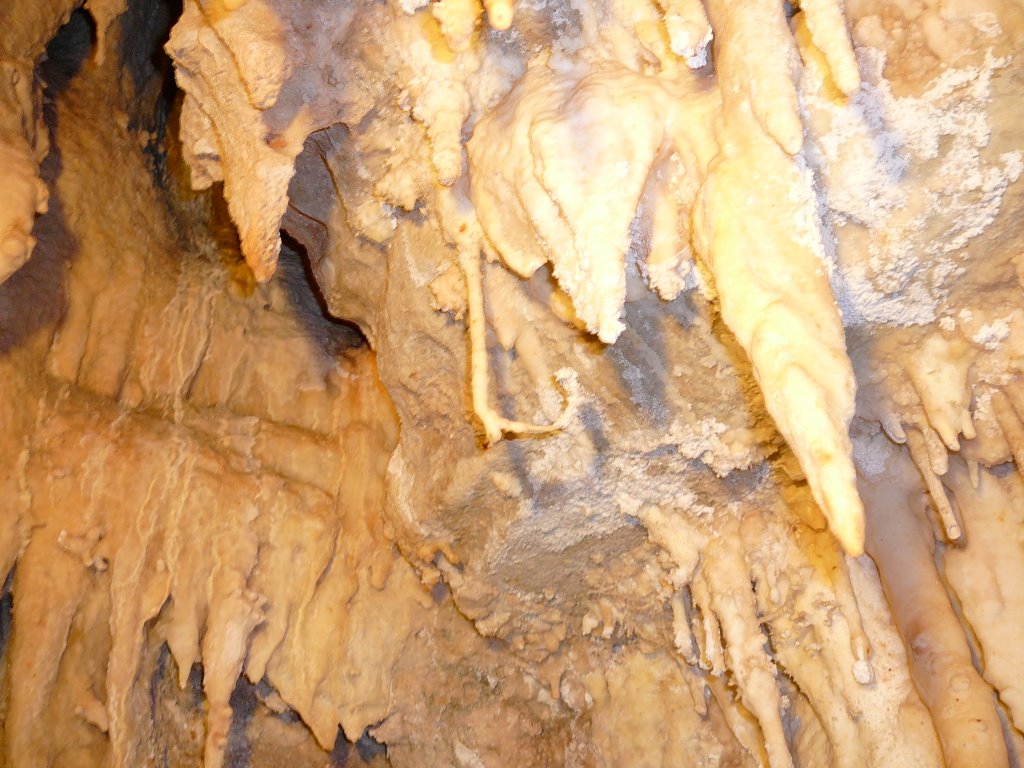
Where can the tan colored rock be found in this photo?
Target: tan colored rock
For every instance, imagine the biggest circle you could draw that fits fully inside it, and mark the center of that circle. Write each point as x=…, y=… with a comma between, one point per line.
x=239, y=533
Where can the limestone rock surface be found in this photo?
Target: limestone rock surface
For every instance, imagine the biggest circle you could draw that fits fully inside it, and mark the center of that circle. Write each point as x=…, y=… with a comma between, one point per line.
x=592, y=384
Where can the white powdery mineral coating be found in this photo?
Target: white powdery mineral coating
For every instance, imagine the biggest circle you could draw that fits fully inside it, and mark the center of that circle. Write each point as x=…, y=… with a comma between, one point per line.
x=867, y=144
x=991, y=334
x=411, y=6
x=871, y=453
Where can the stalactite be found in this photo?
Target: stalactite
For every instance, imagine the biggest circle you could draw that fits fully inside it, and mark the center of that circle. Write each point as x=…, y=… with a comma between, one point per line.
x=987, y=577
x=962, y=705
x=940, y=501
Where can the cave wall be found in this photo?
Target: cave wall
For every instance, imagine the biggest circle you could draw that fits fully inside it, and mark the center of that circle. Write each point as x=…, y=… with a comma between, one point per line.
x=475, y=530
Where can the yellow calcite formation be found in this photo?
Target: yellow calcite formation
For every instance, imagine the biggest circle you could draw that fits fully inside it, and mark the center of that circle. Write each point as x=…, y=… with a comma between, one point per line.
x=559, y=168
x=637, y=236
x=23, y=137
x=23, y=196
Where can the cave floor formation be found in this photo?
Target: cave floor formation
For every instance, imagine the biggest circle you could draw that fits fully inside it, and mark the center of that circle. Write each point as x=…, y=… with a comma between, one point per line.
x=437, y=383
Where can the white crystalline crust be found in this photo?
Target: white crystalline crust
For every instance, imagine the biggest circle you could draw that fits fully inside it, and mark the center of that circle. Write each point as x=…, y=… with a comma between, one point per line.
x=864, y=148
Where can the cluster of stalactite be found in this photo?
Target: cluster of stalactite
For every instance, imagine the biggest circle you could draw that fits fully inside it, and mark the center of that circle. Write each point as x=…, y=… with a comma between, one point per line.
x=668, y=313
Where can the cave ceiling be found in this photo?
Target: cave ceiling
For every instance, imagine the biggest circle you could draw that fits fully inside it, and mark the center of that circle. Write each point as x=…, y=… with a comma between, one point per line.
x=437, y=382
